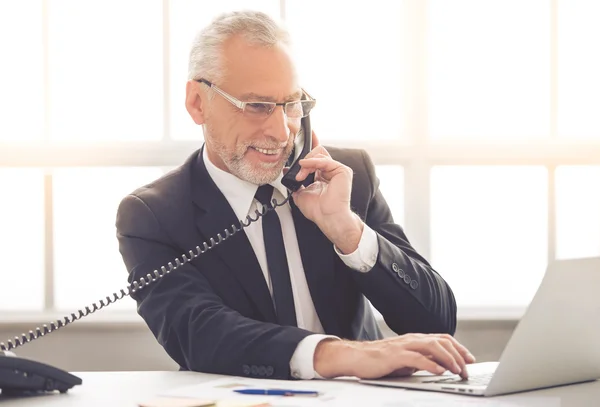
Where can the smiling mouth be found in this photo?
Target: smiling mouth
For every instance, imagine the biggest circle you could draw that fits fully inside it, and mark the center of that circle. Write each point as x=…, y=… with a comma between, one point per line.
x=267, y=151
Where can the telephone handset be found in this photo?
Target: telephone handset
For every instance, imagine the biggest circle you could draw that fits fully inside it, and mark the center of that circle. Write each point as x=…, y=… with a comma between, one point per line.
x=21, y=376
x=302, y=146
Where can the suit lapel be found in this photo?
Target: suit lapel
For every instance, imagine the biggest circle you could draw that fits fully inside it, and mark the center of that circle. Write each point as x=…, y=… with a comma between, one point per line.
x=214, y=216
x=318, y=262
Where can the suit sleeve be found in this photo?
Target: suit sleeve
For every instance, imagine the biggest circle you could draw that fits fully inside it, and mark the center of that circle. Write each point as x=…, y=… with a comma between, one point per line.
x=185, y=314
x=402, y=285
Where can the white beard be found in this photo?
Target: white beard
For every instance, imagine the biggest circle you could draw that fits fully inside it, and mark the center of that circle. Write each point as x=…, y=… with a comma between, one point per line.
x=236, y=162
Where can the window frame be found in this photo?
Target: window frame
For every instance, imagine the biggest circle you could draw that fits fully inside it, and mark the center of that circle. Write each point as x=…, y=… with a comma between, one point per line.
x=416, y=153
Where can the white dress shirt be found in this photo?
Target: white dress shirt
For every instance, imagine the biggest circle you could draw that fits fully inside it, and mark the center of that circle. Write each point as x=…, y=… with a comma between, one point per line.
x=240, y=195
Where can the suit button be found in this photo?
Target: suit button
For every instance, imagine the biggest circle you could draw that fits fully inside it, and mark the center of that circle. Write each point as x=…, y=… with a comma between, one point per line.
x=407, y=279
x=246, y=369
x=363, y=269
x=395, y=267
x=414, y=284
x=295, y=374
x=270, y=371
x=262, y=371
x=401, y=273
x=254, y=370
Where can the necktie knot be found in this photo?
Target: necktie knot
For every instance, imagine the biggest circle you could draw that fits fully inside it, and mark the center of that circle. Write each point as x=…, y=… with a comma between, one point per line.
x=264, y=194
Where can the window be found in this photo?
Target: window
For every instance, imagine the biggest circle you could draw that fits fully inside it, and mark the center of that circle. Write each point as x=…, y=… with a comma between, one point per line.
x=481, y=118
x=358, y=90
x=577, y=214
x=489, y=231
x=87, y=262
x=391, y=178
x=185, y=18
x=578, y=81
x=105, y=84
x=21, y=79
x=22, y=239
x=488, y=81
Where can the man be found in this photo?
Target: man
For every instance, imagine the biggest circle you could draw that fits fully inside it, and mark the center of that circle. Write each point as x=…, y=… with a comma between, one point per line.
x=287, y=297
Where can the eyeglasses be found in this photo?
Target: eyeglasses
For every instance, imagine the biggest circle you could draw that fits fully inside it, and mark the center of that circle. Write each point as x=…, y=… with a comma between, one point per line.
x=261, y=110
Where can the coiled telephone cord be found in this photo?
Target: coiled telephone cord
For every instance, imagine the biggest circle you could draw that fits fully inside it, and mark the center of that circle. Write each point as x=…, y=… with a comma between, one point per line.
x=142, y=281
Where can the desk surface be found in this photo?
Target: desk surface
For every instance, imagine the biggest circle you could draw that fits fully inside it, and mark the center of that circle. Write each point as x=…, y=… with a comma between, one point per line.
x=102, y=389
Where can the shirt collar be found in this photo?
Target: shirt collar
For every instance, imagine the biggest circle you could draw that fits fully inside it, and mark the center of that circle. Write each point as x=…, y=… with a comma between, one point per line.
x=239, y=193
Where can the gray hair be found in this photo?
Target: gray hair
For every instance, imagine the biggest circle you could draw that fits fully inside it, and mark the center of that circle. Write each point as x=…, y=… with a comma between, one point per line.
x=256, y=27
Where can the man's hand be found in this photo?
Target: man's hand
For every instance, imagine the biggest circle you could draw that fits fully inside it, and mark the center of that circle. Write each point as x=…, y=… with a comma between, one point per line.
x=326, y=202
x=398, y=356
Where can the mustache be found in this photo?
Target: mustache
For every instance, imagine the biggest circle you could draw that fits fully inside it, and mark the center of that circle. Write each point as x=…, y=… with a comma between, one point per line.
x=269, y=144
x=269, y=147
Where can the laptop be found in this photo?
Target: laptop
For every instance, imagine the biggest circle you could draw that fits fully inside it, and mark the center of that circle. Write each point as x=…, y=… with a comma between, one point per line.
x=556, y=342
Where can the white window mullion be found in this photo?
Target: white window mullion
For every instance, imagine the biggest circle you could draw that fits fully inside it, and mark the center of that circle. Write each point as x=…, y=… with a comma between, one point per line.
x=551, y=213
x=417, y=214
x=282, y=9
x=552, y=238
x=417, y=169
x=48, y=192
x=48, y=242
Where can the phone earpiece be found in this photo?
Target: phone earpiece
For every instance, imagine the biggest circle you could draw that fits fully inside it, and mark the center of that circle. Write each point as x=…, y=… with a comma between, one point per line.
x=302, y=146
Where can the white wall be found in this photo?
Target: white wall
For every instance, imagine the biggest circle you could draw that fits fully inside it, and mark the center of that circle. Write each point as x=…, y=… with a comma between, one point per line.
x=98, y=346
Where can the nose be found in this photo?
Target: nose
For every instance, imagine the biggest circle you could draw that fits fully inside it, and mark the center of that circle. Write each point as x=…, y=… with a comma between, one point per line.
x=278, y=125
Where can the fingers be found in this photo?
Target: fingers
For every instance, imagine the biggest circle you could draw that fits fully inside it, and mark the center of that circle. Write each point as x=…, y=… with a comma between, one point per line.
x=400, y=356
x=326, y=166
x=468, y=357
x=318, y=151
x=431, y=347
x=410, y=359
x=458, y=358
x=443, y=348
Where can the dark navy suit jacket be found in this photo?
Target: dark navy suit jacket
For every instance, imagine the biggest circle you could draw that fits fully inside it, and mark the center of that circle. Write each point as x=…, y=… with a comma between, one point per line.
x=216, y=315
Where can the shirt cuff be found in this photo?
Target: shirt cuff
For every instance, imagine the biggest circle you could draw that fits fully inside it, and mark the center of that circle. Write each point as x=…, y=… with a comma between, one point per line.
x=365, y=256
x=302, y=362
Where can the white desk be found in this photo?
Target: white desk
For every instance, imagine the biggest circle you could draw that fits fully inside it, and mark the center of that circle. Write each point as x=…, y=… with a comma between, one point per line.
x=116, y=389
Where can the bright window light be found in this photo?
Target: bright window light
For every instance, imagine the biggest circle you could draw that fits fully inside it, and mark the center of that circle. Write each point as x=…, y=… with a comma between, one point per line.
x=578, y=67
x=488, y=69
x=22, y=239
x=106, y=75
x=88, y=265
x=489, y=235
x=349, y=56
x=21, y=71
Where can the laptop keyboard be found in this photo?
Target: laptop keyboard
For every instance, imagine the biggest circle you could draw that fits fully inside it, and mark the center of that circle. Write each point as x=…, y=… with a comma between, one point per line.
x=477, y=380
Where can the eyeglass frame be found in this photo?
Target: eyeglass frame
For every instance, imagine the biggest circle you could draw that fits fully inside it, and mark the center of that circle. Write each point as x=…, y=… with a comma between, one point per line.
x=242, y=105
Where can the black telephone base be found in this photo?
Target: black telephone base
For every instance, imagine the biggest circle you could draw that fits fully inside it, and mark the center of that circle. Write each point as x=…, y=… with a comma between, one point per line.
x=23, y=377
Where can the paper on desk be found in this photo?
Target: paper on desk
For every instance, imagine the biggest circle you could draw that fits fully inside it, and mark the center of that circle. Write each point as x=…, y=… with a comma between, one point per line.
x=223, y=390
x=341, y=393
x=176, y=402
x=193, y=402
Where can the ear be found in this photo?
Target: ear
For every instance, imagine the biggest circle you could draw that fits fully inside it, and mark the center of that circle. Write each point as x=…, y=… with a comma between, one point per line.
x=195, y=101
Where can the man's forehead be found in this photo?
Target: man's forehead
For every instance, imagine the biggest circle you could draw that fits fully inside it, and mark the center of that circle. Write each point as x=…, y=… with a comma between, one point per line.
x=259, y=72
